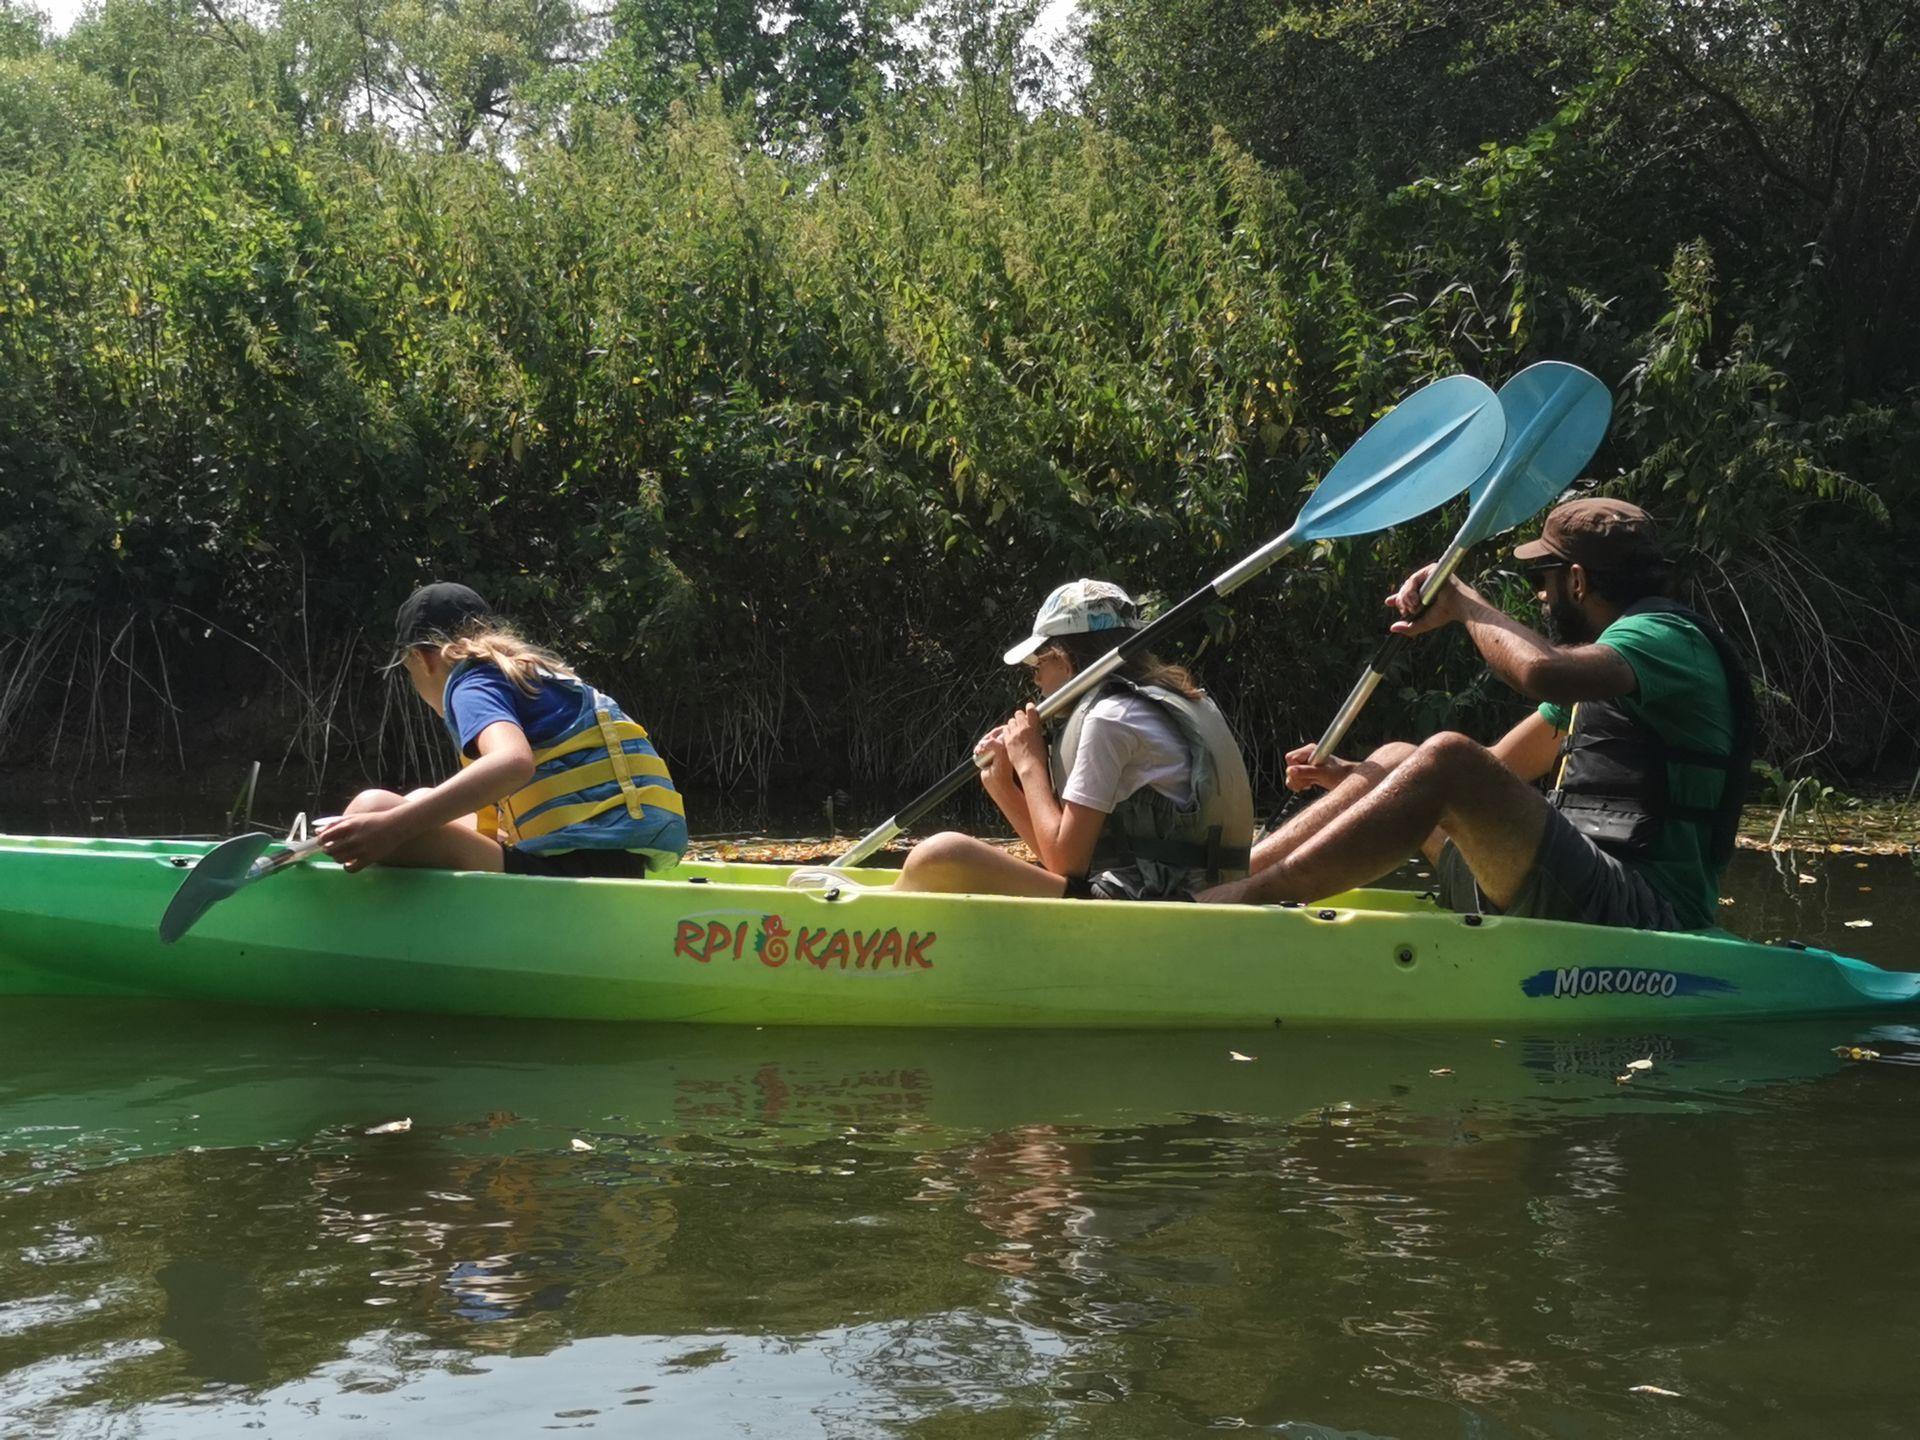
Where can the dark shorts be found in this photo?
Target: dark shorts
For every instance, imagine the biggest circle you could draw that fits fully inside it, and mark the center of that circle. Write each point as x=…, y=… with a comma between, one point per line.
x=579, y=864
x=1147, y=881
x=1572, y=879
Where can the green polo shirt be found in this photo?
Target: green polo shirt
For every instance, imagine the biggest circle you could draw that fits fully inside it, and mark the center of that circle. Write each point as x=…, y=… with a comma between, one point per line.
x=1680, y=693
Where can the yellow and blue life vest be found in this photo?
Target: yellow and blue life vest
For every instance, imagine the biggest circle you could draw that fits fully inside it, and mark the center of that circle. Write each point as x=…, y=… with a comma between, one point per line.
x=597, y=785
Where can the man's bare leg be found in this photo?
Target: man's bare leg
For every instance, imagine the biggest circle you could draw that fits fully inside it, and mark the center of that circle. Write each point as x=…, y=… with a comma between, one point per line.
x=1451, y=784
x=1359, y=782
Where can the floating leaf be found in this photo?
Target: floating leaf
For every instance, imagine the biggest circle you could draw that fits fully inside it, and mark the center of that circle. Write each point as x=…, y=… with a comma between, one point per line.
x=580, y=1144
x=1806, y=879
x=1443, y=1070
x=392, y=1127
x=1859, y=924
x=1639, y=1064
x=1236, y=1055
x=1653, y=1390
x=1855, y=1052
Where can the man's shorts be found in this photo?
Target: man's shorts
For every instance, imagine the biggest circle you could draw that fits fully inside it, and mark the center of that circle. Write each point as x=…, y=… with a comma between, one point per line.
x=1572, y=879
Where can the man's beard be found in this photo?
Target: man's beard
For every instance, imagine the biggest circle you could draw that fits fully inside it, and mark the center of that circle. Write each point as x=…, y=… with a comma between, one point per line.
x=1566, y=625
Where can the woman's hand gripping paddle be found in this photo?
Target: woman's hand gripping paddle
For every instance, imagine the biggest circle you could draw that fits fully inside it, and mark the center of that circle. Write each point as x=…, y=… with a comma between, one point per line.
x=1557, y=415
x=230, y=866
x=1420, y=454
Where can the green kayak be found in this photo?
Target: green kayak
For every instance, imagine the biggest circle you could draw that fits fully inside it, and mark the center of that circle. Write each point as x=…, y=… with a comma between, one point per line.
x=729, y=944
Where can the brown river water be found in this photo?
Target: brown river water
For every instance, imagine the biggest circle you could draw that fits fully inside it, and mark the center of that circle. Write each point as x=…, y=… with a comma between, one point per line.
x=213, y=1222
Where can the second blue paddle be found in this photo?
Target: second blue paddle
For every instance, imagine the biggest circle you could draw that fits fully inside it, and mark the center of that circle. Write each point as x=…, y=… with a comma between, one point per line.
x=1557, y=414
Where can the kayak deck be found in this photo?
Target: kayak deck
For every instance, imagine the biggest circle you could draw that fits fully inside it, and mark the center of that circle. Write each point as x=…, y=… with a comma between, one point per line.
x=727, y=943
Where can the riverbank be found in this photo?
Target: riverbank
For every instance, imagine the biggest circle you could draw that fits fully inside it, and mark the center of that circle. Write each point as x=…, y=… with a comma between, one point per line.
x=781, y=829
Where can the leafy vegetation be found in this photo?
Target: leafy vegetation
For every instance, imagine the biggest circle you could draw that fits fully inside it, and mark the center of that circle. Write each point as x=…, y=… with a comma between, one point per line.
x=772, y=368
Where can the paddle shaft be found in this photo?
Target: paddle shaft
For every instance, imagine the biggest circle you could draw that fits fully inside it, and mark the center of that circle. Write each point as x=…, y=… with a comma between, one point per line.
x=1134, y=643
x=292, y=855
x=1385, y=655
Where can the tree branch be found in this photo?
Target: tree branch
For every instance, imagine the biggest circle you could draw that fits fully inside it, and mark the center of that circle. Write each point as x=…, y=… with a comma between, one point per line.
x=213, y=12
x=1874, y=52
x=1741, y=118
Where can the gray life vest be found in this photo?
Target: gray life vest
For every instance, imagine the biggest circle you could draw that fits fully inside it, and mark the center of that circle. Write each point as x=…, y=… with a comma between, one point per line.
x=1212, y=835
x=1613, y=779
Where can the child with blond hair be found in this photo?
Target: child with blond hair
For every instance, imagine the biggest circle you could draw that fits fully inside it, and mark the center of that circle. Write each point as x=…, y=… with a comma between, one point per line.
x=555, y=779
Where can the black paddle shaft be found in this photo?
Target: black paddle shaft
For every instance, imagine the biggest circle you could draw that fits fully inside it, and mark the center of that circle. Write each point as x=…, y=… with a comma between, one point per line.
x=1385, y=656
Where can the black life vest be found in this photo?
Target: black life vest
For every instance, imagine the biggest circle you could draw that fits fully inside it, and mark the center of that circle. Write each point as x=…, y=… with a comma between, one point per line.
x=1613, y=781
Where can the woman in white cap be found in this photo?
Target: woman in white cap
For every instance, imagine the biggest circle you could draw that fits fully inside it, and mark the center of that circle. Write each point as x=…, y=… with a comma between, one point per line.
x=1142, y=795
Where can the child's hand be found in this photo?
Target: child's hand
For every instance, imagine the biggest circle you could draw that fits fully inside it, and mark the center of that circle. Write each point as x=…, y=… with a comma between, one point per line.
x=998, y=778
x=991, y=746
x=357, y=841
x=992, y=749
x=1026, y=739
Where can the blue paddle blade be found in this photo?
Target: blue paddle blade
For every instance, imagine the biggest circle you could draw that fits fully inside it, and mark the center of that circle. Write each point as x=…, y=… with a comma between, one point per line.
x=1557, y=415
x=219, y=872
x=1420, y=454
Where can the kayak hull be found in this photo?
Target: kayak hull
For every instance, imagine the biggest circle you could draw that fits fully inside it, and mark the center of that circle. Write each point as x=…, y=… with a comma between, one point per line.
x=729, y=944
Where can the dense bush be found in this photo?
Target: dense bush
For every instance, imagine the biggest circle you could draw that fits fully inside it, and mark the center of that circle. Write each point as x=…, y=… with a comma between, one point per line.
x=780, y=422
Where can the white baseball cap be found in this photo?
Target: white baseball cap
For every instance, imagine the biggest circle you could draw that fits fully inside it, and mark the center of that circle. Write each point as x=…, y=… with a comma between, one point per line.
x=1078, y=607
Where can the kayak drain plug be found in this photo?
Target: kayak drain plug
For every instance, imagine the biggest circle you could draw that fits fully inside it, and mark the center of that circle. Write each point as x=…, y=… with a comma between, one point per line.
x=1404, y=955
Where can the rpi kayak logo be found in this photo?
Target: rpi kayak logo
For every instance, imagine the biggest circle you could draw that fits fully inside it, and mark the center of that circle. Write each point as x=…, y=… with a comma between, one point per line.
x=1586, y=980
x=717, y=935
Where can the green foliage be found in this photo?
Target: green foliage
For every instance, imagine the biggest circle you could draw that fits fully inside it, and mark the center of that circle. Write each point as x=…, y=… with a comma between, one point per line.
x=776, y=392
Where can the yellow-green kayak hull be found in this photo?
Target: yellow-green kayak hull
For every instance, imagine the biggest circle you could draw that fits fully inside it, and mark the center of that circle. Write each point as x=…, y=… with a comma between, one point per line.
x=730, y=944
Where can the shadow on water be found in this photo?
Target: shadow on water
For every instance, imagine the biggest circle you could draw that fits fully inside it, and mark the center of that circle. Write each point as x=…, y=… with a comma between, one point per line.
x=214, y=1219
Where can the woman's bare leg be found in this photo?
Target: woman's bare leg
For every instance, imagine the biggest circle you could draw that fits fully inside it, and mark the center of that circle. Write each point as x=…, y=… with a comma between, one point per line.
x=954, y=863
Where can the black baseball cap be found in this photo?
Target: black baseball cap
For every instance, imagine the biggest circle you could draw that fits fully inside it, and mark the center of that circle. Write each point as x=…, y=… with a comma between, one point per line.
x=442, y=608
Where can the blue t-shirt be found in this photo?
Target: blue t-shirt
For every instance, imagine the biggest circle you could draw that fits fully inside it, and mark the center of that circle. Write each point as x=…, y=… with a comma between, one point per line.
x=480, y=695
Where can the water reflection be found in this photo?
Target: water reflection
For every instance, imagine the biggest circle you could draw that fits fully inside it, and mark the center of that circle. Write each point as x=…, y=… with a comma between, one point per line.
x=820, y=1233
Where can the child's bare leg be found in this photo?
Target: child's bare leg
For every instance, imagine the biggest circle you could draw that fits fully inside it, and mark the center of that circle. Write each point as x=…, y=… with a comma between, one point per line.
x=456, y=845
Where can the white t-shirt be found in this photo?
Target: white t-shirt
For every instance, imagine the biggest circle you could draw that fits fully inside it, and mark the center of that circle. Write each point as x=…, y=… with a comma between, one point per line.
x=1127, y=743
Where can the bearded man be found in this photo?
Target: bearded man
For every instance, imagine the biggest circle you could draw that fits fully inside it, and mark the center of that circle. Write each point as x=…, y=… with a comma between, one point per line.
x=1644, y=729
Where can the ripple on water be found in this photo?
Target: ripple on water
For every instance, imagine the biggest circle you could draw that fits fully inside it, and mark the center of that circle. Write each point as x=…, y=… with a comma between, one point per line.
x=1137, y=1236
